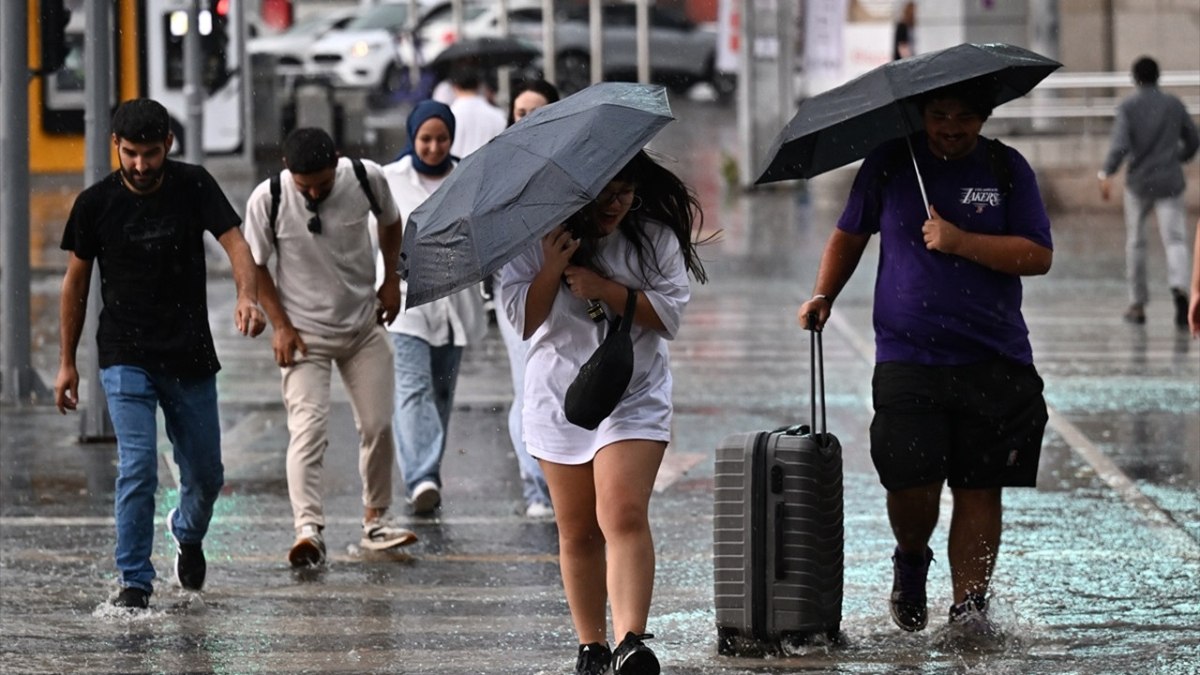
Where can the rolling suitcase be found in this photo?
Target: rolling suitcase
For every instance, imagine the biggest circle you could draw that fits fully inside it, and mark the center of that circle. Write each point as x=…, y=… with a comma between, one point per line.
x=777, y=533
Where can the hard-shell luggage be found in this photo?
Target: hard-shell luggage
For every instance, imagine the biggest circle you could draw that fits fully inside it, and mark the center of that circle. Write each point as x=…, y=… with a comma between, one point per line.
x=778, y=533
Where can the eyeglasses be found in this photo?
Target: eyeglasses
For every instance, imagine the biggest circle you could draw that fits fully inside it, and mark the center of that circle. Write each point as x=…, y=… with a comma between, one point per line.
x=624, y=195
x=314, y=223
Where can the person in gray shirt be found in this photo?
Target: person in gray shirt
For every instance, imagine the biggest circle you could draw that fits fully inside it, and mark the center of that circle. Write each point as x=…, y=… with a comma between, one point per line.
x=1153, y=129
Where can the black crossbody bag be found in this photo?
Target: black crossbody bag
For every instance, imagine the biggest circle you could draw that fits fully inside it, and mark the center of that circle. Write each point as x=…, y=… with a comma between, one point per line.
x=602, y=380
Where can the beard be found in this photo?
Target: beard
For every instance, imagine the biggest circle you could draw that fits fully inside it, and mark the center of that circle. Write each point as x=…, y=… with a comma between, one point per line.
x=142, y=180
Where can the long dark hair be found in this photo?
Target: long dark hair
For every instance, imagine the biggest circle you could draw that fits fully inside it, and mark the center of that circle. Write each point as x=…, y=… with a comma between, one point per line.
x=664, y=199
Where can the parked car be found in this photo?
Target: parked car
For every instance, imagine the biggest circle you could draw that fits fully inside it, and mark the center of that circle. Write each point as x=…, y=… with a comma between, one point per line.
x=290, y=46
x=682, y=52
x=481, y=18
x=364, y=52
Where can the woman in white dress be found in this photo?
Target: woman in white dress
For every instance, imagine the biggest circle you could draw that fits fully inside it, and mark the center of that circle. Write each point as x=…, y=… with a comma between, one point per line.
x=636, y=235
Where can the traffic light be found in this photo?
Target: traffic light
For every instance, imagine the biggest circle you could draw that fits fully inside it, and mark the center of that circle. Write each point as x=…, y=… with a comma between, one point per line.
x=53, y=18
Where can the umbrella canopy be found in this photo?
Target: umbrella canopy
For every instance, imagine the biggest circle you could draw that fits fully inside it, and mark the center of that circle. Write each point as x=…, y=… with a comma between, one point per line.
x=487, y=53
x=512, y=191
x=843, y=124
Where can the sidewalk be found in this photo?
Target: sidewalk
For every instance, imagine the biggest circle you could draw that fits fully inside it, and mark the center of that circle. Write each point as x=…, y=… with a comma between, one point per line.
x=1098, y=572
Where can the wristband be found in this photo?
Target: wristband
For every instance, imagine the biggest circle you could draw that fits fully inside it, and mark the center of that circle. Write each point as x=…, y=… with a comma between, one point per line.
x=821, y=296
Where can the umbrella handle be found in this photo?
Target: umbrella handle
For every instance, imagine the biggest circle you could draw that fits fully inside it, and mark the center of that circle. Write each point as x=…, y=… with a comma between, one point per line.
x=920, y=181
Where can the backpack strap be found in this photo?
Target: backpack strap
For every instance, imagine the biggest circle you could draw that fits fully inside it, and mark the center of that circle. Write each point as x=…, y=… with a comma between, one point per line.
x=360, y=172
x=276, y=190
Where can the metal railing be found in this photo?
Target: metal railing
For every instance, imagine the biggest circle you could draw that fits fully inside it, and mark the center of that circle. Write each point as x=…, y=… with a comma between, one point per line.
x=1091, y=97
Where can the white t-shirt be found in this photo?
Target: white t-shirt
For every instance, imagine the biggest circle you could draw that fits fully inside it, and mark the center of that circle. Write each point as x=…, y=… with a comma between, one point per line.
x=457, y=319
x=568, y=337
x=325, y=281
x=475, y=123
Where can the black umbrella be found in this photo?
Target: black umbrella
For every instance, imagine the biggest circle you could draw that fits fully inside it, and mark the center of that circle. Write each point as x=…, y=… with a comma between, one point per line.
x=843, y=124
x=487, y=53
x=512, y=191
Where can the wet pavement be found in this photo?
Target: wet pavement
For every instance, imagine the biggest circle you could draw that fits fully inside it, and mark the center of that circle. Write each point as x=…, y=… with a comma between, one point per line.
x=1100, y=570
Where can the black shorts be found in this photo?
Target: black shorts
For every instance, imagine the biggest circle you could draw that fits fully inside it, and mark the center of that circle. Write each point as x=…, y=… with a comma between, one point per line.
x=975, y=426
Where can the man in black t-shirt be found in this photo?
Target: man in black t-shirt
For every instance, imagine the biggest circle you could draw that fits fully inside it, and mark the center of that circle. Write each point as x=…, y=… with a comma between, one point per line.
x=145, y=224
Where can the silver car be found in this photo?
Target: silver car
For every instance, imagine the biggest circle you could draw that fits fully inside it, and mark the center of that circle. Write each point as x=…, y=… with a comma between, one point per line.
x=682, y=53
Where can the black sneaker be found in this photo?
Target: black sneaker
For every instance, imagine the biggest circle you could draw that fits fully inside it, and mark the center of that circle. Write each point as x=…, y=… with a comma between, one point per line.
x=1136, y=315
x=632, y=657
x=1181, y=307
x=593, y=659
x=909, y=610
x=132, y=598
x=190, y=566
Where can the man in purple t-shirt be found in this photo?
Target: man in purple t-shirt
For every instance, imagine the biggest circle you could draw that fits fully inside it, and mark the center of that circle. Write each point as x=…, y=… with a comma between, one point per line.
x=956, y=395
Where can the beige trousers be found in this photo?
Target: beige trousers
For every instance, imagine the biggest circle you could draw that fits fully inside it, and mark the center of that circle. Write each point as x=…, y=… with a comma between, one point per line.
x=364, y=361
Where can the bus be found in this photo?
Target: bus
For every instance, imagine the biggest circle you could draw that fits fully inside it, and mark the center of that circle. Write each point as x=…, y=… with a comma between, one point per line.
x=147, y=60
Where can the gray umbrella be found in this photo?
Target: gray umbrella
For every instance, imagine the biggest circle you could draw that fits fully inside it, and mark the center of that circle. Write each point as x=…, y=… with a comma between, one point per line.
x=512, y=191
x=843, y=124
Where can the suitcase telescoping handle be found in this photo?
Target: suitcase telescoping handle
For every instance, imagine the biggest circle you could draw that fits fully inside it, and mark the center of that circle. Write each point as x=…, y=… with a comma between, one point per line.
x=816, y=358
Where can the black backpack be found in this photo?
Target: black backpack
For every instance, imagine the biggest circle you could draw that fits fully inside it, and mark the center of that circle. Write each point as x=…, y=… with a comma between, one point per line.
x=360, y=172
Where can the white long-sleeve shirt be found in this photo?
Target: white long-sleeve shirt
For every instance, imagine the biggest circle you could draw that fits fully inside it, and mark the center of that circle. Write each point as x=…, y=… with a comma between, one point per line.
x=457, y=319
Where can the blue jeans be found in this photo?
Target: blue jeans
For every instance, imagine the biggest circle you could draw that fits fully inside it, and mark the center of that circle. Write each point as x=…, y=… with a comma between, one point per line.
x=425, y=379
x=193, y=427
x=533, y=481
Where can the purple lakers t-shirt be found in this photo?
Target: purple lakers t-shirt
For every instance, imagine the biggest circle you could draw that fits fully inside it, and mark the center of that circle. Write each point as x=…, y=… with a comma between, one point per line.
x=933, y=308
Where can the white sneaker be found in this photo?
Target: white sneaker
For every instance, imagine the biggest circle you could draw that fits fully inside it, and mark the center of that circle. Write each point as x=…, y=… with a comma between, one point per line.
x=381, y=534
x=309, y=549
x=426, y=497
x=539, y=511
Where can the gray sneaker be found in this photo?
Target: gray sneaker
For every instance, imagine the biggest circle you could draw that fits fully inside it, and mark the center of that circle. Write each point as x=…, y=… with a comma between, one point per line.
x=426, y=498
x=309, y=549
x=970, y=627
x=381, y=534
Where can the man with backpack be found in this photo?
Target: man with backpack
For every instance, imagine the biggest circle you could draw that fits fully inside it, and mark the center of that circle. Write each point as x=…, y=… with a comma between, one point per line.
x=957, y=398
x=325, y=309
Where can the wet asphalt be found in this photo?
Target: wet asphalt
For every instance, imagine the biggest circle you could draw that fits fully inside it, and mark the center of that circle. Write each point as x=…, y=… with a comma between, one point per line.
x=1099, y=571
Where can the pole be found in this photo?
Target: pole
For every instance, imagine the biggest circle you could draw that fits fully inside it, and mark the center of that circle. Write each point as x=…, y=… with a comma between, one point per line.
x=193, y=87
x=414, y=64
x=1043, y=39
x=1108, y=37
x=249, y=135
x=549, y=53
x=643, y=41
x=503, y=73
x=18, y=381
x=596, y=40
x=94, y=423
x=747, y=96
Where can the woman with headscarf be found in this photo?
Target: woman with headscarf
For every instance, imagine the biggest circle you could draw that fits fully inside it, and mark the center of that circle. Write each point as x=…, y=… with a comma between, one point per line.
x=428, y=339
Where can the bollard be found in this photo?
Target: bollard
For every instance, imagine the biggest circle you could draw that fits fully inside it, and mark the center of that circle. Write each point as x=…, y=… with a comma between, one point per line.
x=314, y=105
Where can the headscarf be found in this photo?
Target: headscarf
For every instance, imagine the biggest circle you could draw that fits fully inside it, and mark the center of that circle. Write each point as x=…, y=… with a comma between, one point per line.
x=419, y=115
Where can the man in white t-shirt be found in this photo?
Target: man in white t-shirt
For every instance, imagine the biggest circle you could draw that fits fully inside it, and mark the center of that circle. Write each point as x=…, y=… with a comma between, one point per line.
x=477, y=120
x=323, y=304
